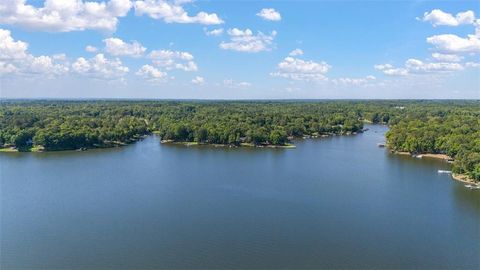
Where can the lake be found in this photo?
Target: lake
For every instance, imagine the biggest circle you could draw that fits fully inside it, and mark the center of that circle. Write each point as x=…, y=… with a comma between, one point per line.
x=339, y=202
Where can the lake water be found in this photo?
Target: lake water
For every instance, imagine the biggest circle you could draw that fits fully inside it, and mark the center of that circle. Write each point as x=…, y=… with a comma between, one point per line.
x=338, y=202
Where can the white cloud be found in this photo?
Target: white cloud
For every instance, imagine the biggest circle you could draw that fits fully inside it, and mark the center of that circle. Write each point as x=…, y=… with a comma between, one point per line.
x=64, y=15
x=45, y=65
x=7, y=68
x=214, y=32
x=301, y=70
x=296, y=52
x=198, y=80
x=14, y=58
x=438, y=17
x=472, y=64
x=59, y=56
x=118, y=47
x=173, y=12
x=232, y=84
x=244, y=84
x=477, y=27
x=450, y=43
x=291, y=64
x=396, y=72
x=415, y=66
x=246, y=41
x=173, y=60
x=100, y=67
x=447, y=57
x=354, y=81
x=151, y=73
x=11, y=49
x=390, y=70
x=269, y=14
x=454, y=44
x=91, y=49
x=31, y=65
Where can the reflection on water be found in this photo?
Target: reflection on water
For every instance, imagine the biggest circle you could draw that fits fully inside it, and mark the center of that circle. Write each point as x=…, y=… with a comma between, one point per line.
x=337, y=202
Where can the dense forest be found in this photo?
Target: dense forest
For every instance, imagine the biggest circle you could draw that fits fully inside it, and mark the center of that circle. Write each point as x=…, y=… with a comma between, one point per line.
x=450, y=127
x=451, y=131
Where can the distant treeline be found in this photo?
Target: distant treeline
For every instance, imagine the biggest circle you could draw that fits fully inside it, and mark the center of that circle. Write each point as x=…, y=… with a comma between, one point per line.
x=450, y=127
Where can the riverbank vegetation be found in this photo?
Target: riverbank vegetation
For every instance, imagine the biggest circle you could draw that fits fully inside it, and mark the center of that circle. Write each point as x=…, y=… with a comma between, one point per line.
x=61, y=125
x=444, y=127
x=451, y=131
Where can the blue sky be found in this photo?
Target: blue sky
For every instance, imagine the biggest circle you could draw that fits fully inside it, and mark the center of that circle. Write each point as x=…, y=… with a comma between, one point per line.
x=259, y=49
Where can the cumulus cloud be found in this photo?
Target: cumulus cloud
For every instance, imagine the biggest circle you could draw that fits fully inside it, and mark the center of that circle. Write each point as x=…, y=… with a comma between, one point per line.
x=447, y=57
x=11, y=49
x=64, y=15
x=438, y=17
x=246, y=41
x=354, y=81
x=269, y=14
x=390, y=70
x=214, y=32
x=173, y=12
x=59, y=56
x=90, y=48
x=173, y=60
x=472, y=64
x=100, y=67
x=7, y=68
x=233, y=84
x=118, y=47
x=151, y=73
x=198, y=80
x=46, y=65
x=415, y=66
x=301, y=70
x=450, y=43
x=296, y=52
x=14, y=58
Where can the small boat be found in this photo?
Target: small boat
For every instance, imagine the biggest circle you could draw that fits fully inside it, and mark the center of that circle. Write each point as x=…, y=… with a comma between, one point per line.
x=443, y=171
x=472, y=186
x=381, y=144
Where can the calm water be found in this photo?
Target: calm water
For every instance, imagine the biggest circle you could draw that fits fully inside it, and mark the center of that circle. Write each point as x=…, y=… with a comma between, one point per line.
x=339, y=202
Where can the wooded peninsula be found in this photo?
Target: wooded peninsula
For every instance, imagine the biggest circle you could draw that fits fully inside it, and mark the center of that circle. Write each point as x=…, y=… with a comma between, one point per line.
x=416, y=127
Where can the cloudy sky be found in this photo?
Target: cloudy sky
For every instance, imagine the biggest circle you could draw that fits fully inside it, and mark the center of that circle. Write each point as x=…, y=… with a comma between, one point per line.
x=239, y=49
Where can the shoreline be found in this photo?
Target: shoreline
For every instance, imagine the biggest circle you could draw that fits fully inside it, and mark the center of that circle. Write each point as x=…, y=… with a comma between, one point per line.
x=457, y=177
x=464, y=179
x=115, y=144
x=35, y=149
x=41, y=149
x=427, y=155
x=437, y=156
x=286, y=146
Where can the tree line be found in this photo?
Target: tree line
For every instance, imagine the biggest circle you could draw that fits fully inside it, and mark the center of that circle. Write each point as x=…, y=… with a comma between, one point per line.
x=450, y=127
